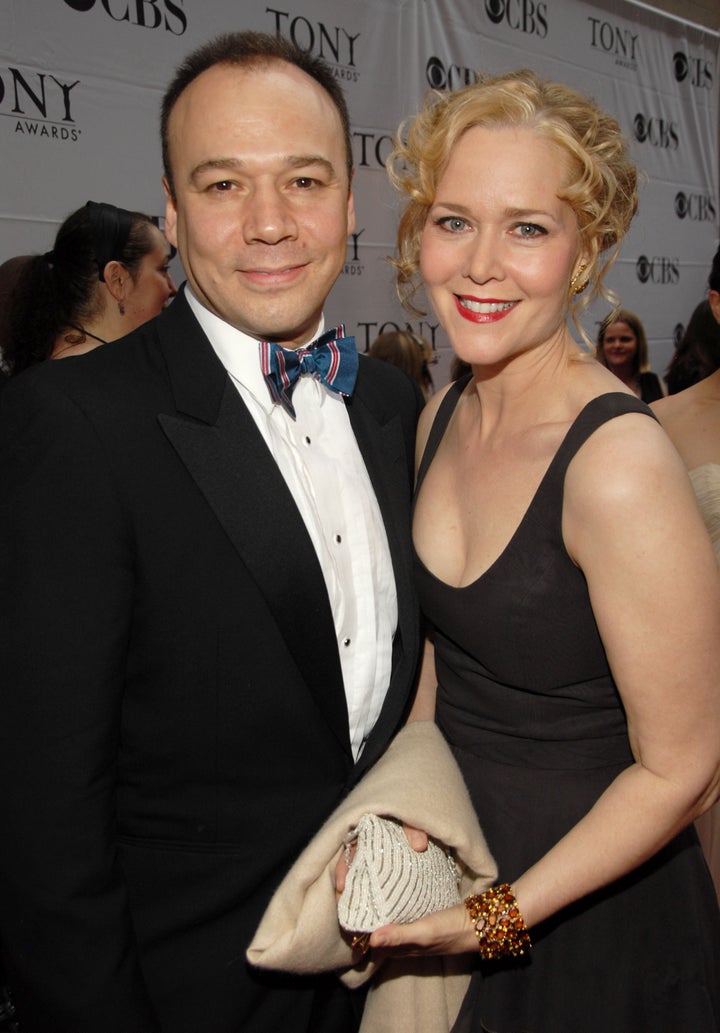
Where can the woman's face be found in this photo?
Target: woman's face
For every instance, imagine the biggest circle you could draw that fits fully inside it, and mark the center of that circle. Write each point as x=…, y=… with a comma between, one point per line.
x=619, y=345
x=499, y=247
x=153, y=285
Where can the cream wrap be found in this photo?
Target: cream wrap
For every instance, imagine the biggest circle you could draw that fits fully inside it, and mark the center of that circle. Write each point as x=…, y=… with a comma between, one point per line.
x=418, y=782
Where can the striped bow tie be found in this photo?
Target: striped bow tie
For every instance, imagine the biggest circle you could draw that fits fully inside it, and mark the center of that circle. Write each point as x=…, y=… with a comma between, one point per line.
x=332, y=359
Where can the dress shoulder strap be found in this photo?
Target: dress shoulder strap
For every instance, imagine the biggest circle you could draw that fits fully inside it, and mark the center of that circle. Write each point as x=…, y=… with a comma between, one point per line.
x=439, y=425
x=597, y=412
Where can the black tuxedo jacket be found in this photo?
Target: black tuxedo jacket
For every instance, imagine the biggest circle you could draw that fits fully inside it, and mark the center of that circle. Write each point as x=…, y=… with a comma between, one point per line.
x=173, y=726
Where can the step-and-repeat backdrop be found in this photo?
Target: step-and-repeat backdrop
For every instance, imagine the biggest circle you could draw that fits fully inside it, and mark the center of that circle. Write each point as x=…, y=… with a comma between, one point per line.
x=81, y=83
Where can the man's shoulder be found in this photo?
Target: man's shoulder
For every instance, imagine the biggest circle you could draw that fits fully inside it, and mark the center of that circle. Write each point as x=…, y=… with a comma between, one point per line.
x=390, y=385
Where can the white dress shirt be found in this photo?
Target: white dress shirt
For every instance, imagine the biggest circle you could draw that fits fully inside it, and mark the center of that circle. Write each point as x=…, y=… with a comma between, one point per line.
x=319, y=458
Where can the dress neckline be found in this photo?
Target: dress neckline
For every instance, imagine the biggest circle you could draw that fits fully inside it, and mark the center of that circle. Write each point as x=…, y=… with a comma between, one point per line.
x=599, y=401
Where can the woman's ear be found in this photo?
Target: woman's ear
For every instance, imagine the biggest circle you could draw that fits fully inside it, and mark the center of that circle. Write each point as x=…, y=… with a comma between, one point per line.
x=714, y=299
x=582, y=263
x=117, y=280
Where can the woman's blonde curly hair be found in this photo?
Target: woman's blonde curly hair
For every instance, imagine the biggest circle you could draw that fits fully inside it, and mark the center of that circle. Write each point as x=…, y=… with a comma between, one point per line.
x=603, y=180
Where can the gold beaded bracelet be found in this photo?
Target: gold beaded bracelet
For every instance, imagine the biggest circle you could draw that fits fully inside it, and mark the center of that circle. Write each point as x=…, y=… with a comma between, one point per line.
x=499, y=926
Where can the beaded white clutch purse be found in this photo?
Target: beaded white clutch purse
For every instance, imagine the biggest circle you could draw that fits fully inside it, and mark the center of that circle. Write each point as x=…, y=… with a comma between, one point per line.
x=388, y=881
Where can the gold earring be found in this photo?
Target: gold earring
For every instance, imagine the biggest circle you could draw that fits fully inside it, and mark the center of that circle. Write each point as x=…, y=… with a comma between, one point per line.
x=575, y=287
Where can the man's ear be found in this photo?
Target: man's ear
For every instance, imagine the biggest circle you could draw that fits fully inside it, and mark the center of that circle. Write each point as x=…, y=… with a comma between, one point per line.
x=170, y=227
x=117, y=280
x=351, y=212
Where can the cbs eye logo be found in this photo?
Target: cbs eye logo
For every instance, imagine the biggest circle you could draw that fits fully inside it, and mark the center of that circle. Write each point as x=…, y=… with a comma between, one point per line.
x=524, y=15
x=640, y=127
x=696, y=207
x=660, y=269
x=680, y=66
x=695, y=70
x=681, y=205
x=147, y=14
x=658, y=132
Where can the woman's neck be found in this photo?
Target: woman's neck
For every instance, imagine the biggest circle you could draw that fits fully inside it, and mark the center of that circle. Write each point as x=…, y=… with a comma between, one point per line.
x=76, y=340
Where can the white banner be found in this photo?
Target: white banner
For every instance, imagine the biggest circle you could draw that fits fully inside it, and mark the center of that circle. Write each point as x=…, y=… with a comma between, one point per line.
x=81, y=83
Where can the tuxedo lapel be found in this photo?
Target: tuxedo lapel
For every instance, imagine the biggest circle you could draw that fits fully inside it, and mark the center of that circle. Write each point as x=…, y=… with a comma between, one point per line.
x=379, y=434
x=217, y=440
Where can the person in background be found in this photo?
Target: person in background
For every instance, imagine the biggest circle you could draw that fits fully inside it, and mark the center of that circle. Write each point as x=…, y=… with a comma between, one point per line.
x=107, y=273
x=570, y=585
x=622, y=347
x=208, y=623
x=698, y=352
x=409, y=352
x=9, y=274
x=692, y=419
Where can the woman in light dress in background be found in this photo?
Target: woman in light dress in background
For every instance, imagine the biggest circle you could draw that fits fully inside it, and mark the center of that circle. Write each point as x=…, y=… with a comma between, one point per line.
x=692, y=419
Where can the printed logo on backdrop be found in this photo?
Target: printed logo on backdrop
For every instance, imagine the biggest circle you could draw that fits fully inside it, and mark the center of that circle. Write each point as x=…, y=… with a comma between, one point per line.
x=695, y=207
x=656, y=131
x=353, y=266
x=695, y=71
x=367, y=331
x=334, y=43
x=146, y=14
x=371, y=150
x=526, y=16
x=441, y=76
x=660, y=269
x=620, y=44
x=39, y=104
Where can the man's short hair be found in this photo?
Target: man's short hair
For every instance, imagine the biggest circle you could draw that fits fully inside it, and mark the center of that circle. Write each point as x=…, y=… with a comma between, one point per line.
x=248, y=49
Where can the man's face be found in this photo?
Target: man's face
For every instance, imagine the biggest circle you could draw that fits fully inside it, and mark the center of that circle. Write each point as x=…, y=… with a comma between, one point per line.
x=262, y=208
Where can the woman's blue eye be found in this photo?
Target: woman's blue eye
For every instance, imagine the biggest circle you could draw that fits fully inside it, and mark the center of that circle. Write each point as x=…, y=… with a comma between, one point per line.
x=453, y=223
x=530, y=229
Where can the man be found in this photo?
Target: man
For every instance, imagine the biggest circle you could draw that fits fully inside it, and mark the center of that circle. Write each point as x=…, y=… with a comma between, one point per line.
x=208, y=623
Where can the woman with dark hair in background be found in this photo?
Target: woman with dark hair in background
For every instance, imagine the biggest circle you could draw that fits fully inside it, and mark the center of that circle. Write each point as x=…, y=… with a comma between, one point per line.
x=10, y=271
x=622, y=347
x=698, y=353
x=692, y=419
x=106, y=274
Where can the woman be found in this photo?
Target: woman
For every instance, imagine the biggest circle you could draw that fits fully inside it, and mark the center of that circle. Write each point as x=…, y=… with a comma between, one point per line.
x=557, y=543
x=106, y=274
x=698, y=353
x=622, y=347
x=692, y=419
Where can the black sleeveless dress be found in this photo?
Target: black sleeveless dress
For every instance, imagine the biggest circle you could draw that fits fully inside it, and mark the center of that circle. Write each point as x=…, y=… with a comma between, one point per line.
x=528, y=705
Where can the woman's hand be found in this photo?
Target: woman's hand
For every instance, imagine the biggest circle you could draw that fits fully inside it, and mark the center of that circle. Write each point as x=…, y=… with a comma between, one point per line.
x=443, y=932
x=417, y=839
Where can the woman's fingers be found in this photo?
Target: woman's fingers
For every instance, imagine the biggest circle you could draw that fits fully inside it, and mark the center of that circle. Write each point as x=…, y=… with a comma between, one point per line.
x=444, y=932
